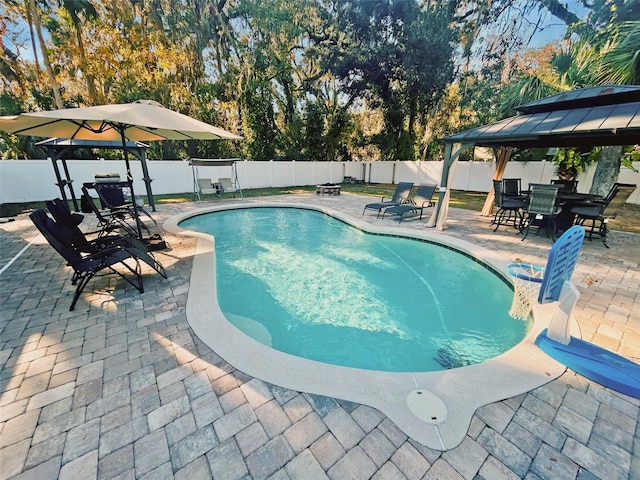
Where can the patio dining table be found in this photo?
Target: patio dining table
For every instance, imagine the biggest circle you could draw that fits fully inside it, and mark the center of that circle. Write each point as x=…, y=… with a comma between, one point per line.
x=569, y=200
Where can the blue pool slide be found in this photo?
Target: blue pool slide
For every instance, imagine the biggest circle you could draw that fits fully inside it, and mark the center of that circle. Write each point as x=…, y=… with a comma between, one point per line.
x=591, y=361
x=595, y=363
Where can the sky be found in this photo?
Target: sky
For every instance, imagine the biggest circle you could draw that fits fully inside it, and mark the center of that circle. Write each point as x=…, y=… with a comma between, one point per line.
x=553, y=28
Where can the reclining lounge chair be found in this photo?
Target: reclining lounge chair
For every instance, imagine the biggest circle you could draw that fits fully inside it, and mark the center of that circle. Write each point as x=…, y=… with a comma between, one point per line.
x=399, y=197
x=420, y=201
x=87, y=265
x=110, y=220
x=71, y=235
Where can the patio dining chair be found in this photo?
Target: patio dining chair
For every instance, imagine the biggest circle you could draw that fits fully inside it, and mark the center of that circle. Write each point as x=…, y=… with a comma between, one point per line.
x=509, y=209
x=511, y=188
x=400, y=196
x=603, y=211
x=86, y=266
x=566, y=185
x=542, y=209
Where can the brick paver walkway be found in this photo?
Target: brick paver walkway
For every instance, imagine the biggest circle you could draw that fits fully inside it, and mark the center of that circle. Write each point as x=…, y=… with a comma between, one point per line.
x=122, y=388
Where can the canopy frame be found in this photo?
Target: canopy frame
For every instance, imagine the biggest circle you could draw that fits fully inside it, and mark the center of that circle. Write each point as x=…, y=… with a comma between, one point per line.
x=214, y=162
x=61, y=149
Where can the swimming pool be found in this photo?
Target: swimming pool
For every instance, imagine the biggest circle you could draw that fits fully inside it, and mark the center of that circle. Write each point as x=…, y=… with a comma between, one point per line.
x=305, y=283
x=432, y=407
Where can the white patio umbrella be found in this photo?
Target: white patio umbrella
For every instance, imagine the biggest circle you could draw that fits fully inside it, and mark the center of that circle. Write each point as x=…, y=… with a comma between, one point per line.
x=144, y=120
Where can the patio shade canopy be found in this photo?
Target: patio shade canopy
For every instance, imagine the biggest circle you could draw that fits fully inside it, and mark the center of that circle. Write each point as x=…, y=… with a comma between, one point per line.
x=144, y=120
x=63, y=148
x=589, y=117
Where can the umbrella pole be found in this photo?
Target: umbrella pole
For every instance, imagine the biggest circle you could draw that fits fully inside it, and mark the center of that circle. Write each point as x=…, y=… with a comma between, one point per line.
x=120, y=128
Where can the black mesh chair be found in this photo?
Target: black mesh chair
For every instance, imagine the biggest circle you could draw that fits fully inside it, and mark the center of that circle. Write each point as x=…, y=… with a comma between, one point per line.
x=542, y=209
x=600, y=213
x=110, y=220
x=509, y=209
x=400, y=196
x=112, y=196
x=511, y=188
x=71, y=235
x=86, y=266
x=568, y=186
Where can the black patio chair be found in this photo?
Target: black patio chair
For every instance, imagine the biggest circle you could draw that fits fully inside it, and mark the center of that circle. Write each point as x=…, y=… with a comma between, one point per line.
x=542, y=209
x=86, y=266
x=110, y=220
x=71, y=235
x=112, y=197
x=603, y=211
x=400, y=196
x=509, y=209
x=511, y=188
x=59, y=210
x=420, y=201
x=566, y=185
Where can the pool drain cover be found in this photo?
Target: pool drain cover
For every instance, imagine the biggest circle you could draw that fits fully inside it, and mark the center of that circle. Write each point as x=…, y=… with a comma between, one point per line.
x=427, y=406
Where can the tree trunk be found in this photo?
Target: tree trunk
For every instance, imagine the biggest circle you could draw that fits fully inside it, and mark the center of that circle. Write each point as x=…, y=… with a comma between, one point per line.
x=607, y=170
x=91, y=83
x=45, y=57
x=33, y=40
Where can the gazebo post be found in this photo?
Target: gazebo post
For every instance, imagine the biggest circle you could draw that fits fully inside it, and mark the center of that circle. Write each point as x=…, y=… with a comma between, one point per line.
x=452, y=152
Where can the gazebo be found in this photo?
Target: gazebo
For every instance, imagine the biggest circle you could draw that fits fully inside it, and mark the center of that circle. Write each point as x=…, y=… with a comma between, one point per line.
x=589, y=117
x=63, y=149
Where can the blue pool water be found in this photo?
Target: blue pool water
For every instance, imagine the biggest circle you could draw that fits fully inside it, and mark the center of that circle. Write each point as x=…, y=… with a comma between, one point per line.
x=313, y=286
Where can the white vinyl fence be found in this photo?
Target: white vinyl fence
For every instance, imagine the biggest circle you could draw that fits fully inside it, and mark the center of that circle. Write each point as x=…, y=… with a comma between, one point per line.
x=34, y=180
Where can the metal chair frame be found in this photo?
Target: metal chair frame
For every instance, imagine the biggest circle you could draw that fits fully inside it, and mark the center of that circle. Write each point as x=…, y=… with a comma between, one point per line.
x=509, y=209
x=608, y=209
x=541, y=209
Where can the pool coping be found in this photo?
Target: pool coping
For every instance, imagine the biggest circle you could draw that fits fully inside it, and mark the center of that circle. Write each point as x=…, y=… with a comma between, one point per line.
x=463, y=390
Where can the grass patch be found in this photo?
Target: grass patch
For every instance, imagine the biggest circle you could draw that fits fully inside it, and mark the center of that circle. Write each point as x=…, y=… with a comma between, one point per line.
x=629, y=220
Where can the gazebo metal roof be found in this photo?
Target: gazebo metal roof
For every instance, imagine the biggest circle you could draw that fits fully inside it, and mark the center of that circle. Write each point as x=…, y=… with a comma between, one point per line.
x=589, y=117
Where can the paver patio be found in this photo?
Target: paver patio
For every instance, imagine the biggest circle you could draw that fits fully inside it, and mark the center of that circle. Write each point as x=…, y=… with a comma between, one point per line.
x=122, y=388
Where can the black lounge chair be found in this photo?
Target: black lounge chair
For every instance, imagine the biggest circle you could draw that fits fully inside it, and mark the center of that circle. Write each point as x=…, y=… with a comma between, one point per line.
x=60, y=212
x=112, y=220
x=603, y=211
x=403, y=189
x=71, y=235
x=111, y=195
x=420, y=201
x=86, y=266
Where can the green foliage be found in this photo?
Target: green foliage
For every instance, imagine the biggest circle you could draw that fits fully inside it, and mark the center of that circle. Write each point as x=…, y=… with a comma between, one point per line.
x=304, y=79
x=398, y=56
x=571, y=161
